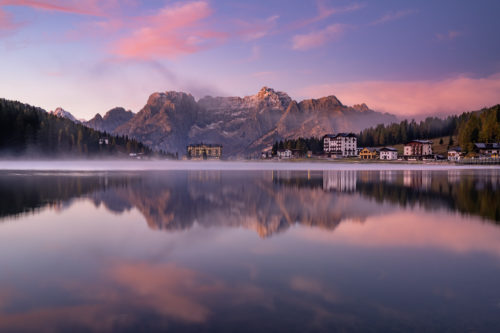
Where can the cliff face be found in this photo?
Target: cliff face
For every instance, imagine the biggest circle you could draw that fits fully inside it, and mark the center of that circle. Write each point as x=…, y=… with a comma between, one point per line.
x=164, y=122
x=244, y=126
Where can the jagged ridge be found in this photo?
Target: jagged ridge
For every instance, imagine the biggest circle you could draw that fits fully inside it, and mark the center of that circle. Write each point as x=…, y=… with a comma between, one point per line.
x=243, y=125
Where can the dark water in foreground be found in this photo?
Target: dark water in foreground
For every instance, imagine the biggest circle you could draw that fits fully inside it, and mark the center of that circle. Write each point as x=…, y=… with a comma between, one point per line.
x=216, y=251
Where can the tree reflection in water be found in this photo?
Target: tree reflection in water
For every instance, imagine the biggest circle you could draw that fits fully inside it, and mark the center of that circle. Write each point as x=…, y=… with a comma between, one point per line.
x=268, y=202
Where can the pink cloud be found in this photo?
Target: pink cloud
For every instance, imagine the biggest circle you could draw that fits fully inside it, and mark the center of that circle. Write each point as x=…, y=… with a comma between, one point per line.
x=82, y=7
x=392, y=16
x=6, y=22
x=408, y=98
x=317, y=38
x=174, y=31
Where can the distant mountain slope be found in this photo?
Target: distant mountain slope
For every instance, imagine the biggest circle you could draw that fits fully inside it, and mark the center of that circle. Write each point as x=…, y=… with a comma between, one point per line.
x=245, y=125
x=28, y=130
x=61, y=113
x=111, y=120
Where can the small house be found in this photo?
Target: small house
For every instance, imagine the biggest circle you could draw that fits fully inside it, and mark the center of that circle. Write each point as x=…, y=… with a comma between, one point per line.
x=388, y=153
x=284, y=153
x=368, y=153
x=454, y=154
x=487, y=149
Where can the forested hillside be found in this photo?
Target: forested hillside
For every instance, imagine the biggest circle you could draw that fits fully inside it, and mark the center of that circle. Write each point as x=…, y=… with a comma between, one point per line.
x=28, y=130
x=315, y=145
x=471, y=127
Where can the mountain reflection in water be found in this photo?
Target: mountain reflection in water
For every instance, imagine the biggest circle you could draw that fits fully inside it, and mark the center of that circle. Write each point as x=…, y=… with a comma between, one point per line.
x=268, y=202
x=282, y=251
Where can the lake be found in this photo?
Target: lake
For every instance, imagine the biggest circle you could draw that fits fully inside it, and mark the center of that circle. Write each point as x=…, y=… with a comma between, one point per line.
x=253, y=250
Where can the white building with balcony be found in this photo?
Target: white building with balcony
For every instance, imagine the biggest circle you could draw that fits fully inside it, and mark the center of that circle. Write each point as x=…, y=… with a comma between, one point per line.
x=341, y=144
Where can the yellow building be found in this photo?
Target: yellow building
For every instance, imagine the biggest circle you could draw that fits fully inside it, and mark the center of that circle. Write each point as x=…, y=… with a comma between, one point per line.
x=204, y=152
x=368, y=153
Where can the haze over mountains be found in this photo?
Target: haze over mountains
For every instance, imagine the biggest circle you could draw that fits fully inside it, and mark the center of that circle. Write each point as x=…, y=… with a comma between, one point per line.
x=243, y=125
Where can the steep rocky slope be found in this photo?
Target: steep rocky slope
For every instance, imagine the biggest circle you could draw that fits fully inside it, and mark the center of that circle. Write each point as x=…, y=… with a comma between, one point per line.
x=244, y=126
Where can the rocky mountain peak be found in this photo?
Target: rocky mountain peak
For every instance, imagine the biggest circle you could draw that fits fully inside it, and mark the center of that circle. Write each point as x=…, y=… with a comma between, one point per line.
x=331, y=103
x=243, y=125
x=273, y=98
x=361, y=107
x=60, y=112
x=265, y=91
x=111, y=120
x=331, y=100
x=159, y=99
x=118, y=112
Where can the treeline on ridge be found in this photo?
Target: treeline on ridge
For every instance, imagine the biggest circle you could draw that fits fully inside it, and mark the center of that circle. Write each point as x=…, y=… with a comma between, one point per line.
x=470, y=127
x=315, y=145
x=29, y=130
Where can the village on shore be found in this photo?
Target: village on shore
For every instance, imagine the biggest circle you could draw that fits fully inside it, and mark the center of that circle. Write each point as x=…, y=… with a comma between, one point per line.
x=344, y=146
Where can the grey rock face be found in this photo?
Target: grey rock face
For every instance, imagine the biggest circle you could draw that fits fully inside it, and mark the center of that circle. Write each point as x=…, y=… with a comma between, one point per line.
x=243, y=125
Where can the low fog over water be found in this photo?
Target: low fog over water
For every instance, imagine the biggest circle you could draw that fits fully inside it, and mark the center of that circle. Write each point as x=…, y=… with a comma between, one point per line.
x=110, y=165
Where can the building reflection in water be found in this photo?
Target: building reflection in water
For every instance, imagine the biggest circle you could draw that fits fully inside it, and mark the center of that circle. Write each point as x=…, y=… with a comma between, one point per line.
x=340, y=181
x=266, y=201
x=343, y=251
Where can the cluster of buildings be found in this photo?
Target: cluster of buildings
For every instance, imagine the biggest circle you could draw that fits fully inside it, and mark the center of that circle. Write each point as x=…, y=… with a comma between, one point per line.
x=343, y=145
x=480, y=150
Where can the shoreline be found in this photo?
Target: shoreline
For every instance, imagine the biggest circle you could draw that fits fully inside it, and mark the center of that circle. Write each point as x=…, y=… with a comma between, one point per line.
x=166, y=165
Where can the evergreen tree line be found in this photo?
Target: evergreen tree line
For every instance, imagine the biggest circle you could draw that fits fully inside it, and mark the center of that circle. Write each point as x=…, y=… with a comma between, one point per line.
x=482, y=126
x=28, y=130
x=471, y=127
x=315, y=145
x=396, y=133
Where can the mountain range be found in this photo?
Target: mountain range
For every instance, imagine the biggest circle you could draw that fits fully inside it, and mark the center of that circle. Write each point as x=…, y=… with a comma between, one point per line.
x=243, y=125
x=111, y=120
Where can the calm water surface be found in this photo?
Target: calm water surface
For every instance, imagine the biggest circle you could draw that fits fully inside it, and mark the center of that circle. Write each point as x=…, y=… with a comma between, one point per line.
x=217, y=251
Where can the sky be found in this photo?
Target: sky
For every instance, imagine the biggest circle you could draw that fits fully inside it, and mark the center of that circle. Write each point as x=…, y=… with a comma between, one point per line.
x=409, y=58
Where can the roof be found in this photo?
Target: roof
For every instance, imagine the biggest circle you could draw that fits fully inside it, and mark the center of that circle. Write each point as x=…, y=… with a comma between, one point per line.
x=388, y=149
x=371, y=149
x=344, y=135
x=481, y=145
x=421, y=141
x=455, y=149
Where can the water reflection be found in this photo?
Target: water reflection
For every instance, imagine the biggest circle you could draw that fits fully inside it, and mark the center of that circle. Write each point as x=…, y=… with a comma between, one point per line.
x=250, y=251
x=267, y=202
